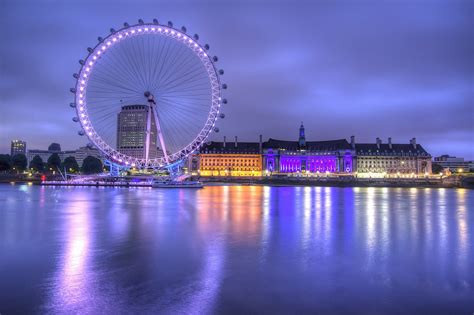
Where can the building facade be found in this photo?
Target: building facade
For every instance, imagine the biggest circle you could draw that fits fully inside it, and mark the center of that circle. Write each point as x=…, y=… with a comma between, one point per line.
x=17, y=147
x=230, y=159
x=132, y=131
x=83, y=152
x=387, y=159
x=314, y=157
x=454, y=164
x=45, y=154
x=280, y=156
x=79, y=154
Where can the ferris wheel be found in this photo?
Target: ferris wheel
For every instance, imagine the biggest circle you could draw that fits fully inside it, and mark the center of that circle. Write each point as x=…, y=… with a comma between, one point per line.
x=148, y=95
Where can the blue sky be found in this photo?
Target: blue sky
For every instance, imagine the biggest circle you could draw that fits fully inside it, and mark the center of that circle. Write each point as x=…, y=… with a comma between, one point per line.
x=397, y=69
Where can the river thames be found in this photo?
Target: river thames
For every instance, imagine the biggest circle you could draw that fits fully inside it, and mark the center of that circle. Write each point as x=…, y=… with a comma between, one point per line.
x=236, y=249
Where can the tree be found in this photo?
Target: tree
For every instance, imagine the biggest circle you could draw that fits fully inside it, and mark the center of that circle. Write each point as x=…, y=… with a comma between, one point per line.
x=37, y=163
x=5, y=162
x=436, y=168
x=54, y=161
x=70, y=164
x=91, y=165
x=19, y=162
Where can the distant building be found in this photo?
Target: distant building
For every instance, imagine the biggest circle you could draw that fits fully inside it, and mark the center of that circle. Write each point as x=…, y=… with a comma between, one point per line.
x=455, y=164
x=83, y=152
x=45, y=154
x=79, y=154
x=18, y=147
x=54, y=147
x=230, y=159
x=384, y=159
x=132, y=132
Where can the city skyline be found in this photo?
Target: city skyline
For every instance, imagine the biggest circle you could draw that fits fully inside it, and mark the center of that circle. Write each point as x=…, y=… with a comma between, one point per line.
x=403, y=73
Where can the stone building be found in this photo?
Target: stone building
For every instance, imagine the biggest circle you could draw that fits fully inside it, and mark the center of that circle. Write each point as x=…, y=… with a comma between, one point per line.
x=230, y=159
x=333, y=156
x=389, y=159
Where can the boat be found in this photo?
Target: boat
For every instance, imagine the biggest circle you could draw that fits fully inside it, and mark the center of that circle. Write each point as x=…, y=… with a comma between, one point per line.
x=176, y=184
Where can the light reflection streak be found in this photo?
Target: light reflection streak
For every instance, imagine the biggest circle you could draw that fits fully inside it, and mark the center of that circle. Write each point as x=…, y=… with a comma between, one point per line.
x=463, y=232
x=327, y=220
x=266, y=224
x=73, y=288
x=370, y=226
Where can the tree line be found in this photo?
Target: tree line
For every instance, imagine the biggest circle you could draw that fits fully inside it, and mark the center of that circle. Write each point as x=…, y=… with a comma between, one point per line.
x=19, y=163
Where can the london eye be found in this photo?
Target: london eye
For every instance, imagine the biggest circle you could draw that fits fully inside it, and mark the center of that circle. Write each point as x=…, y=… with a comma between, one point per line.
x=148, y=95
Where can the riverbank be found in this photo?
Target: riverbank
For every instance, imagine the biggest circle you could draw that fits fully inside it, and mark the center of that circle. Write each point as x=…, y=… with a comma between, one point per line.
x=447, y=182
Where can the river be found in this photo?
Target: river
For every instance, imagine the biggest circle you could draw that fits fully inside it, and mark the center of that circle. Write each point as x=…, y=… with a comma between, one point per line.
x=236, y=250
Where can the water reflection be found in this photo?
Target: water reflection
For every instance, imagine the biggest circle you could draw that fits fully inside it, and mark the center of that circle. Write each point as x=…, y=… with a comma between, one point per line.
x=245, y=249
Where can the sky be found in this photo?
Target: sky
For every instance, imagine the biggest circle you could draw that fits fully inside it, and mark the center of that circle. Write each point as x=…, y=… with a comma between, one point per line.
x=371, y=68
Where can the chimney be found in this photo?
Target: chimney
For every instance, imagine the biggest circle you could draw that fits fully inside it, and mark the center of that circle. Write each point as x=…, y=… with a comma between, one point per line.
x=224, y=142
x=260, y=144
x=378, y=142
x=235, y=141
x=390, y=143
x=413, y=142
x=353, y=144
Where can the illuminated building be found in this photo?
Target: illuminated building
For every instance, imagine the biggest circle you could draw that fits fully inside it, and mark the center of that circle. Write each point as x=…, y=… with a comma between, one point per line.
x=131, y=131
x=230, y=159
x=454, y=164
x=18, y=147
x=334, y=156
x=379, y=159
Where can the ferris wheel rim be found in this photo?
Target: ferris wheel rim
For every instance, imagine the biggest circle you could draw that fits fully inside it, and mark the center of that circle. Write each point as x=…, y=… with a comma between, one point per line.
x=115, y=37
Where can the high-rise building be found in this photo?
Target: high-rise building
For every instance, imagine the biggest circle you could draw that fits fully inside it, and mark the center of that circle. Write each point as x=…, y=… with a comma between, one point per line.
x=18, y=147
x=132, y=131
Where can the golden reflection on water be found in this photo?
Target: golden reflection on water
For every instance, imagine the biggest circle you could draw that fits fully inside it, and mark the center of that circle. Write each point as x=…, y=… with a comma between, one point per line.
x=463, y=232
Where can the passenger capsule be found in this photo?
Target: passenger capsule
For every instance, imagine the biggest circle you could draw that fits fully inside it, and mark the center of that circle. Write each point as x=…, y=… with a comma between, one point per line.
x=224, y=86
x=90, y=49
x=170, y=24
x=206, y=47
x=140, y=21
x=224, y=101
x=221, y=72
x=81, y=132
x=75, y=119
x=183, y=29
x=73, y=105
x=155, y=21
x=126, y=24
x=215, y=59
x=100, y=39
x=81, y=62
x=112, y=30
x=216, y=129
x=72, y=90
x=75, y=76
x=221, y=115
x=196, y=36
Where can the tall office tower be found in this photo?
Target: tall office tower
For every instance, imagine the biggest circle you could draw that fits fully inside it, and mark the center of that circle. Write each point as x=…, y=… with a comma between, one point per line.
x=132, y=132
